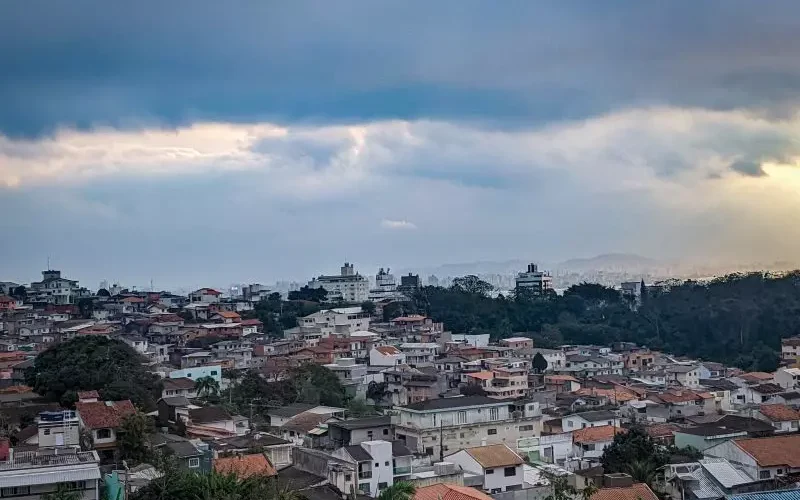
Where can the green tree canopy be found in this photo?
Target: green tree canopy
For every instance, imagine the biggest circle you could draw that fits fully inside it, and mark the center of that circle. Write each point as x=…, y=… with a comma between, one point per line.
x=539, y=363
x=86, y=363
x=400, y=490
x=176, y=484
x=132, y=439
x=368, y=307
x=309, y=294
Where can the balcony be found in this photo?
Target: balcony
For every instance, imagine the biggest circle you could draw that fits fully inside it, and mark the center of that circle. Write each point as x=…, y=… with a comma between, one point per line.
x=402, y=471
x=367, y=474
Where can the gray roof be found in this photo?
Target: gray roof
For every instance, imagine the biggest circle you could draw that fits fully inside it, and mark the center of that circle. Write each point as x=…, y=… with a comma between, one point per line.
x=769, y=495
x=209, y=414
x=721, y=384
x=296, y=479
x=400, y=450
x=457, y=402
x=176, y=401
x=363, y=423
x=726, y=474
x=290, y=410
x=358, y=453
x=710, y=431
x=596, y=416
x=183, y=449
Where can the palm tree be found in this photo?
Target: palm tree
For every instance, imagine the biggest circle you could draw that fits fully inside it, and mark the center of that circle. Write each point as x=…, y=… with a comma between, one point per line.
x=398, y=491
x=206, y=386
x=232, y=375
x=643, y=471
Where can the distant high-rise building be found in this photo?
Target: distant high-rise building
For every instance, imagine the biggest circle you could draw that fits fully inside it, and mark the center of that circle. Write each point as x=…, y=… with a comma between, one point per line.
x=385, y=286
x=433, y=280
x=409, y=283
x=537, y=282
x=349, y=286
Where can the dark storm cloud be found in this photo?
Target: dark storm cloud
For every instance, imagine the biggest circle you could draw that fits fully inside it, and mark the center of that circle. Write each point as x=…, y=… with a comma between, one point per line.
x=86, y=62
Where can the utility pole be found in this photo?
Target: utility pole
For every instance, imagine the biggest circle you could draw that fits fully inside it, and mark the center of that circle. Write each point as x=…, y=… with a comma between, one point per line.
x=441, y=443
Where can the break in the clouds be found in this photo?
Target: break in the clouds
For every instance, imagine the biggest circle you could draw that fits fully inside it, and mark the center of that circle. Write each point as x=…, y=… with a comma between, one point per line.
x=263, y=140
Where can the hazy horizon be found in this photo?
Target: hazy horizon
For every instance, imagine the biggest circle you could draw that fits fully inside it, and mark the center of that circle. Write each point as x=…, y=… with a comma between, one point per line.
x=198, y=142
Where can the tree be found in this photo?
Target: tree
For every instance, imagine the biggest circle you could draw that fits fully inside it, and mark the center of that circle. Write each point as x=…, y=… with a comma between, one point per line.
x=309, y=294
x=633, y=447
x=93, y=363
x=86, y=307
x=562, y=490
x=368, y=307
x=206, y=386
x=378, y=391
x=132, y=438
x=316, y=384
x=471, y=284
x=103, y=293
x=357, y=407
x=20, y=293
x=233, y=376
x=400, y=490
x=176, y=484
x=539, y=363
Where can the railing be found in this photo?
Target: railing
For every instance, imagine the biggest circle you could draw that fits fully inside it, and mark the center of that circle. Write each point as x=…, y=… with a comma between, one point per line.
x=367, y=474
x=399, y=471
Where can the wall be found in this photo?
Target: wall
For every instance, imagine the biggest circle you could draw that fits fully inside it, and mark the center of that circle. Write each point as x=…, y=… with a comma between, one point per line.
x=466, y=436
x=213, y=371
x=535, y=493
x=495, y=480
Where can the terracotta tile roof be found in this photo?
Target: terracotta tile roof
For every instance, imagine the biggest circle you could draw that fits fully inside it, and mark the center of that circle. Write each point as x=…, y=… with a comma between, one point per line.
x=104, y=414
x=559, y=378
x=495, y=455
x=756, y=376
x=679, y=396
x=773, y=451
x=412, y=317
x=779, y=413
x=619, y=395
x=229, y=314
x=6, y=299
x=178, y=383
x=596, y=434
x=449, y=492
x=133, y=300
x=637, y=491
x=661, y=430
x=768, y=388
x=208, y=291
x=481, y=375
x=251, y=322
x=306, y=421
x=244, y=466
x=88, y=394
x=388, y=350
x=791, y=341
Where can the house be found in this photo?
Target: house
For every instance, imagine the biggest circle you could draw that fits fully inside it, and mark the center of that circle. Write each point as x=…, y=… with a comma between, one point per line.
x=103, y=419
x=9, y=303
x=684, y=375
x=420, y=353
x=638, y=361
x=782, y=417
x=500, y=467
x=709, y=369
x=555, y=358
x=465, y=421
x=277, y=450
x=179, y=387
x=34, y=474
x=757, y=394
x=377, y=464
x=447, y=491
x=788, y=378
x=501, y=383
x=215, y=418
x=790, y=349
x=356, y=431
x=308, y=428
x=386, y=356
x=205, y=296
x=708, y=478
x=561, y=383
x=589, y=419
x=228, y=317
x=278, y=417
x=171, y=409
x=704, y=437
x=245, y=466
x=590, y=442
x=189, y=455
x=762, y=458
x=197, y=372
x=517, y=342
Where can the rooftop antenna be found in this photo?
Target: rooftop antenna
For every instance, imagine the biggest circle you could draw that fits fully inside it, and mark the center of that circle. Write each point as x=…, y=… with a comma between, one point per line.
x=48, y=262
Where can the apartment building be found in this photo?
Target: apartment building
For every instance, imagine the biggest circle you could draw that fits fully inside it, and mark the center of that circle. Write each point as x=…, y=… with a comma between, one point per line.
x=790, y=349
x=435, y=426
x=420, y=353
x=34, y=474
x=501, y=383
x=322, y=324
x=348, y=286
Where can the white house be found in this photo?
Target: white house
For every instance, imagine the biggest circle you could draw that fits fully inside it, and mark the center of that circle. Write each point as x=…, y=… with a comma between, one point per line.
x=591, y=442
x=102, y=419
x=685, y=375
x=788, y=378
x=386, y=355
x=589, y=419
x=464, y=422
x=556, y=358
x=33, y=474
x=420, y=353
x=762, y=458
x=376, y=465
x=348, y=286
x=501, y=467
x=782, y=417
x=205, y=296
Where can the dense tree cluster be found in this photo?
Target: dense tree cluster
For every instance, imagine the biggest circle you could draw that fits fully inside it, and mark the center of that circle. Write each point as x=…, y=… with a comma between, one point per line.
x=738, y=319
x=86, y=363
x=636, y=453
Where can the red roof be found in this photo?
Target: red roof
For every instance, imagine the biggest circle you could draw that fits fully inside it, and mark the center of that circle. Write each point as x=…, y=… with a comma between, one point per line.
x=104, y=414
x=251, y=322
x=229, y=314
x=388, y=350
x=208, y=291
x=88, y=394
x=449, y=492
x=597, y=434
x=133, y=300
x=7, y=299
x=637, y=491
x=773, y=451
x=244, y=466
x=779, y=413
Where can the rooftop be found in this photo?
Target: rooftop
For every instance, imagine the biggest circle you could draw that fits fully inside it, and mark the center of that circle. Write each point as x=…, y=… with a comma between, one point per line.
x=769, y=495
x=779, y=413
x=496, y=455
x=598, y=434
x=244, y=466
x=774, y=450
x=637, y=491
x=595, y=416
x=456, y=402
x=444, y=491
x=363, y=423
x=104, y=414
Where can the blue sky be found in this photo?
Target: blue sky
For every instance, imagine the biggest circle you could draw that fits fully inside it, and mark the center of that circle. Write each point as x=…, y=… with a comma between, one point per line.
x=192, y=141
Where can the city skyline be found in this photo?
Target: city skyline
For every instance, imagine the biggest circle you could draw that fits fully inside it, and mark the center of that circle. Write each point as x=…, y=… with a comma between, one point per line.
x=237, y=141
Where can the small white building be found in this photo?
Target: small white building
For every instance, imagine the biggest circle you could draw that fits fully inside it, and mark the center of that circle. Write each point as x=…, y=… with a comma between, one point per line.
x=386, y=356
x=589, y=419
x=33, y=474
x=348, y=286
x=788, y=378
x=205, y=296
x=782, y=417
x=591, y=442
x=420, y=353
x=501, y=467
x=376, y=465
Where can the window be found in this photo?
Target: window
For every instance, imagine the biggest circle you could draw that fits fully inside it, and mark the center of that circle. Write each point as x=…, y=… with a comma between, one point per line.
x=494, y=414
x=779, y=472
x=363, y=487
x=382, y=486
x=348, y=477
x=18, y=490
x=461, y=435
x=462, y=417
x=764, y=474
x=103, y=433
x=369, y=435
x=194, y=463
x=213, y=372
x=496, y=490
x=491, y=432
x=377, y=464
x=489, y=471
x=523, y=428
x=386, y=464
x=47, y=432
x=569, y=423
x=510, y=471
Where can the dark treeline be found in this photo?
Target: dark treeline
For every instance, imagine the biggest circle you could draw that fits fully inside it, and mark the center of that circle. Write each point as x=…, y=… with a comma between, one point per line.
x=738, y=319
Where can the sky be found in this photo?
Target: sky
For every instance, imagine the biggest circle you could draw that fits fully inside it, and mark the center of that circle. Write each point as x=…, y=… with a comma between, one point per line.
x=194, y=142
